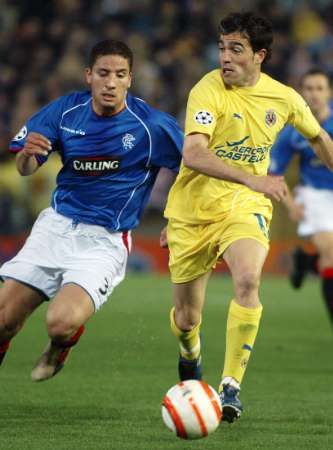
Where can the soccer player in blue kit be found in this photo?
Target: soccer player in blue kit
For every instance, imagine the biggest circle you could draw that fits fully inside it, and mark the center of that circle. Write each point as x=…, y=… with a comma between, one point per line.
x=112, y=146
x=312, y=204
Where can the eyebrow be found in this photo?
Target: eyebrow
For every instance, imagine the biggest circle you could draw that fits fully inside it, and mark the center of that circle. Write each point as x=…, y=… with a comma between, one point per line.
x=108, y=70
x=231, y=42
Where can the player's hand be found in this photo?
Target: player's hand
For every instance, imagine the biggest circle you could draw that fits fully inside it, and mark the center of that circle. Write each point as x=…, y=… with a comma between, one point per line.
x=296, y=213
x=273, y=186
x=36, y=144
x=164, y=238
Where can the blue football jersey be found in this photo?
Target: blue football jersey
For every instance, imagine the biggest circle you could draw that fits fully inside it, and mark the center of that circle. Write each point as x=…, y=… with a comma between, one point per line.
x=313, y=172
x=109, y=163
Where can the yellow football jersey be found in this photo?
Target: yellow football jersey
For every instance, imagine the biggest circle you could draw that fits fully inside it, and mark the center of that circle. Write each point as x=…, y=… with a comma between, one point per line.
x=242, y=124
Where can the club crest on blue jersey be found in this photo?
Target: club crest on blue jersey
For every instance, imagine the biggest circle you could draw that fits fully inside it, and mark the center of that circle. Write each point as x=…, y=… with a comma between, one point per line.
x=128, y=141
x=95, y=165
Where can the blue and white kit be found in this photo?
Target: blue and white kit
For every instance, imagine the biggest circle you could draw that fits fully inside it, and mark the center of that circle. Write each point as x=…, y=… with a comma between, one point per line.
x=315, y=189
x=110, y=165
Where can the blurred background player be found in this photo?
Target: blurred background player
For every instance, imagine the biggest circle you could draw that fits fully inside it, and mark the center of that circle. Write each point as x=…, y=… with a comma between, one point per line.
x=312, y=204
x=218, y=205
x=112, y=146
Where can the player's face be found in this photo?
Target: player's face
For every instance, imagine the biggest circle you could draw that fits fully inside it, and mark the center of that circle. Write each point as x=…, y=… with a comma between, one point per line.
x=316, y=91
x=240, y=66
x=109, y=79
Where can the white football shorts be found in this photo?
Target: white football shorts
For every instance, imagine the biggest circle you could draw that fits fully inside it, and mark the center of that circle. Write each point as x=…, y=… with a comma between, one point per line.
x=59, y=251
x=318, y=210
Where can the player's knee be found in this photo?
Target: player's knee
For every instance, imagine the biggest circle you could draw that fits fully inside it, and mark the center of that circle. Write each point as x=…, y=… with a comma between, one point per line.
x=186, y=318
x=60, y=327
x=9, y=324
x=247, y=283
x=326, y=259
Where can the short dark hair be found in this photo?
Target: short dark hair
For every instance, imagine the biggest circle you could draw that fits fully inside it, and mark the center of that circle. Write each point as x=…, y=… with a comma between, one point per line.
x=110, y=47
x=315, y=71
x=257, y=29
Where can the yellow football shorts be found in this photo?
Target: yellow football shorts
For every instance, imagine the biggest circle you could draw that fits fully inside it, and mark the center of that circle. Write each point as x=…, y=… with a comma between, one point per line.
x=195, y=249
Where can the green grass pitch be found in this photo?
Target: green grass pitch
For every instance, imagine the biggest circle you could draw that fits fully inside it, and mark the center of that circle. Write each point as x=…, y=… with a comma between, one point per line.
x=108, y=396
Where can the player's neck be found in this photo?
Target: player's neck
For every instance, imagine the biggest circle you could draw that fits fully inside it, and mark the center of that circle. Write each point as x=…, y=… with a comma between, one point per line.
x=251, y=80
x=322, y=114
x=107, y=112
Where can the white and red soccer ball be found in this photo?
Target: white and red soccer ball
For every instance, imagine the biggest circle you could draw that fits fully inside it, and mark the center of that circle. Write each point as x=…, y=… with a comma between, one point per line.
x=192, y=409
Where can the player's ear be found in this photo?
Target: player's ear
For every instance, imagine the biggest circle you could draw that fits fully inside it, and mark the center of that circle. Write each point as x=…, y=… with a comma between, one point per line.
x=260, y=55
x=88, y=75
x=129, y=80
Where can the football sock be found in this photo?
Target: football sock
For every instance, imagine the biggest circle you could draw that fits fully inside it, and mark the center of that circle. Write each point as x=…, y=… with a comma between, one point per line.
x=189, y=341
x=327, y=289
x=312, y=262
x=242, y=329
x=3, y=350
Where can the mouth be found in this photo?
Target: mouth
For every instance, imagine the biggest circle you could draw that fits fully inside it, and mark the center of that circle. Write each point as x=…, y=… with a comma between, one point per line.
x=227, y=71
x=109, y=97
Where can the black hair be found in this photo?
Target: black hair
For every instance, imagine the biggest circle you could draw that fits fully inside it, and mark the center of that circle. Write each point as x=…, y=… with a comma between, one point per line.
x=315, y=71
x=258, y=30
x=110, y=47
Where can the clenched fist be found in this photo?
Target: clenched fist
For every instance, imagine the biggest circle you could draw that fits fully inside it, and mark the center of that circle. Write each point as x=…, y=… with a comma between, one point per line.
x=36, y=144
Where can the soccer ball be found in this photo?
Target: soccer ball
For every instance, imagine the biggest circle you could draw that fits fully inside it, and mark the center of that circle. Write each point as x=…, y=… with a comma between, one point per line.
x=192, y=409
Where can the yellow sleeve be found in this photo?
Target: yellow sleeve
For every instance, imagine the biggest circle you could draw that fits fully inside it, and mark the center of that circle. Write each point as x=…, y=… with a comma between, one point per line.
x=301, y=116
x=201, y=110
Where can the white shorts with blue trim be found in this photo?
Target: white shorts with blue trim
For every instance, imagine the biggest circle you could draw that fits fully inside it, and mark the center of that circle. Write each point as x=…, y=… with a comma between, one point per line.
x=318, y=210
x=59, y=251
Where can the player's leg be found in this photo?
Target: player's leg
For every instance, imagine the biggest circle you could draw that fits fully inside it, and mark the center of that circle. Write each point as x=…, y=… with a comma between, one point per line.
x=245, y=259
x=65, y=319
x=324, y=244
x=192, y=255
x=302, y=264
x=185, y=320
x=17, y=302
x=94, y=268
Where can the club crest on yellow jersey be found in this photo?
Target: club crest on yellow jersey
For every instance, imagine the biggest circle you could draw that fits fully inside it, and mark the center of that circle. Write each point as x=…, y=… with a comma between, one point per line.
x=270, y=117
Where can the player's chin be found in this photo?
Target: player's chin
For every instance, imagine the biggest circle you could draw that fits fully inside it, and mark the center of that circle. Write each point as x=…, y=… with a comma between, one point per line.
x=108, y=103
x=228, y=77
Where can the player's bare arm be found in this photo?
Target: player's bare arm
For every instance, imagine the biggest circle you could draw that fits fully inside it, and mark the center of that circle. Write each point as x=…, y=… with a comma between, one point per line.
x=323, y=148
x=36, y=144
x=295, y=210
x=164, y=238
x=197, y=156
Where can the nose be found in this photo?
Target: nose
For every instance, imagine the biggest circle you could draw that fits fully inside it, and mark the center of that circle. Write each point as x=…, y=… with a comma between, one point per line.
x=110, y=82
x=226, y=56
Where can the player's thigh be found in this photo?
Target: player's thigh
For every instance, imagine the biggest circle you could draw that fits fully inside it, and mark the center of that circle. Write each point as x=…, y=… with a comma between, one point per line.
x=18, y=301
x=323, y=242
x=71, y=308
x=245, y=259
x=191, y=295
x=98, y=262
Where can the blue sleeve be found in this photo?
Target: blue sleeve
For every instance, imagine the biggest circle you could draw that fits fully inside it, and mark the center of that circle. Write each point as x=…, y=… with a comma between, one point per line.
x=282, y=152
x=169, y=138
x=46, y=122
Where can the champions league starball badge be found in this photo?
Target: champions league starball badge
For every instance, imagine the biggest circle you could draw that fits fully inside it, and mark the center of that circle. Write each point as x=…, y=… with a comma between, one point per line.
x=203, y=117
x=21, y=134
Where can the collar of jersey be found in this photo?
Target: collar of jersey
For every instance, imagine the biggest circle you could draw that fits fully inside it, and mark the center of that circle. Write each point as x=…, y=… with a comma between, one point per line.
x=106, y=117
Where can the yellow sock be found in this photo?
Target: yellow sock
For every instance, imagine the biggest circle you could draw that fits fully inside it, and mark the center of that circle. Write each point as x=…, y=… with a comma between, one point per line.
x=242, y=329
x=189, y=341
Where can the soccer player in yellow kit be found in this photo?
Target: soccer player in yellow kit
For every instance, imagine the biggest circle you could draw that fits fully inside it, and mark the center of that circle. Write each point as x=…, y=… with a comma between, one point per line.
x=218, y=207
